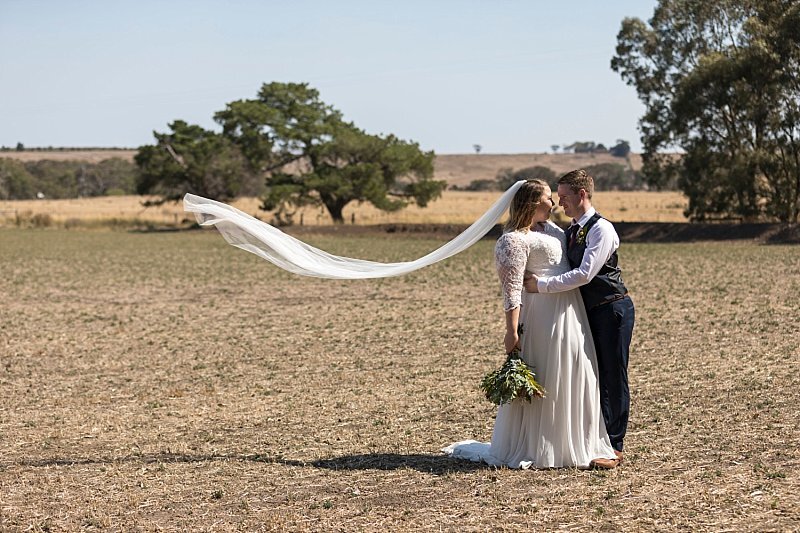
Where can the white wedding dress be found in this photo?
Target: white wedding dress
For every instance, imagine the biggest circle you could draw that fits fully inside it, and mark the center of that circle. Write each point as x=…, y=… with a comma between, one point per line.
x=565, y=428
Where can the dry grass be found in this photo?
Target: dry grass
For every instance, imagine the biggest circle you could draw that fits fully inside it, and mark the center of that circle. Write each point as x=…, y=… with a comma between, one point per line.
x=170, y=382
x=92, y=156
x=455, y=207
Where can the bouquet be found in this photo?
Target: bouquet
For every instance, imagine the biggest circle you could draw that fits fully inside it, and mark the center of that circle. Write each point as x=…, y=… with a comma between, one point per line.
x=511, y=381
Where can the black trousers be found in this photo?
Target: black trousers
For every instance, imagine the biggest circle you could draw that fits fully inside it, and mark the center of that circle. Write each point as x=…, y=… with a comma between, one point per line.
x=612, y=329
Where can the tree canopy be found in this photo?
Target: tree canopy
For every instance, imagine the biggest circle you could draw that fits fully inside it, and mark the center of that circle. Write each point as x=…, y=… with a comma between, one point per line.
x=621, y=149
x=192, y=159
x=335, y=162
x=721, y=83
x=302, y=149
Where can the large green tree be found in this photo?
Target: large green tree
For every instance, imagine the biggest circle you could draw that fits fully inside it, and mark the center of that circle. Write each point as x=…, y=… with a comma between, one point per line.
x=721, y=83
x=310, y=155
x=192, y=159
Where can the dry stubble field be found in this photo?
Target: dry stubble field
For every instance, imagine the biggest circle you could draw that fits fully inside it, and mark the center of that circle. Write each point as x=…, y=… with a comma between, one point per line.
x=167, y=381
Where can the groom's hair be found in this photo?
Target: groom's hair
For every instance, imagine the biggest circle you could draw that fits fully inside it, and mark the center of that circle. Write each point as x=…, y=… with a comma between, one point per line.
x=577, y=180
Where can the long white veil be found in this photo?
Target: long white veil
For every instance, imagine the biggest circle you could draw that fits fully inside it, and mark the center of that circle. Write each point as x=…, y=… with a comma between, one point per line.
x=266, y=241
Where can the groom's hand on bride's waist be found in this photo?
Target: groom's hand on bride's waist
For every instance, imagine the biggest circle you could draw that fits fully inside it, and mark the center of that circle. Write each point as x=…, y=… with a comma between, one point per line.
x=530, y=283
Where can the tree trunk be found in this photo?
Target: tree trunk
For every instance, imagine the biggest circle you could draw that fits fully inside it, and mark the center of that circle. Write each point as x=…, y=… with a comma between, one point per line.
x=335, y=209
x=794, y=216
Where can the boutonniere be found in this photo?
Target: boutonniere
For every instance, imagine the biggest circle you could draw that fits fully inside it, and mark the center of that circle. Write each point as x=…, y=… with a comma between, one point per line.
x=580, y=238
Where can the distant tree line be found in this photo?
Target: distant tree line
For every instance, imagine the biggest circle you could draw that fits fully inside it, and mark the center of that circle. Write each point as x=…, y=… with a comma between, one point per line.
x=65, y=179
x=621, y=148
x=607, y=177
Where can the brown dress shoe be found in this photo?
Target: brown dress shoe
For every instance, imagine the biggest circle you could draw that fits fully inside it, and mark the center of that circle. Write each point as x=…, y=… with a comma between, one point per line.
x=619, y=457
x=603, y=464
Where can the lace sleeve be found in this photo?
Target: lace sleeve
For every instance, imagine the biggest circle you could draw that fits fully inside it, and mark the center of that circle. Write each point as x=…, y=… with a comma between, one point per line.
x=510, y=257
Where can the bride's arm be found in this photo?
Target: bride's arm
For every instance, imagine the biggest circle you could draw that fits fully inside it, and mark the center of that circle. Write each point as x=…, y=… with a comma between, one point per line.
x=511, y=255
x=511, y=340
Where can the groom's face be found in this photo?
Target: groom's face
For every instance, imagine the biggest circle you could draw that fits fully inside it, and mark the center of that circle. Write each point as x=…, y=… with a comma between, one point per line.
x=568, y=200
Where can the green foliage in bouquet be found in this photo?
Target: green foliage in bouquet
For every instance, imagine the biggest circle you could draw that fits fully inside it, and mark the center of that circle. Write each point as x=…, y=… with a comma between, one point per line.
x=511, y=381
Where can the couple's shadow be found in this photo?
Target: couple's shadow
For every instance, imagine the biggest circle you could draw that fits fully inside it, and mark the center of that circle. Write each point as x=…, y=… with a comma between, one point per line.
x=437, y=465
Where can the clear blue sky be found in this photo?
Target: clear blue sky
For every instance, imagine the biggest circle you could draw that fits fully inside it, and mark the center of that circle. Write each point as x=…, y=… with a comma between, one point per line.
x=512, y=75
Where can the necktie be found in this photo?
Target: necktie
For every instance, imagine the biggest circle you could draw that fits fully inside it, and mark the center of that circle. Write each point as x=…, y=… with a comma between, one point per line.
x=573, y=231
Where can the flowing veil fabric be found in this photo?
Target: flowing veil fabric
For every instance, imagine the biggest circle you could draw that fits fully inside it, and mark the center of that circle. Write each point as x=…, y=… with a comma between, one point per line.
x=270, y=243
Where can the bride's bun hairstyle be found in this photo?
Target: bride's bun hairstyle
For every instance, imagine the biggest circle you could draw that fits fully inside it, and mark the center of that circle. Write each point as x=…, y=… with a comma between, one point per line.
x=524, y=203
x=577, y=180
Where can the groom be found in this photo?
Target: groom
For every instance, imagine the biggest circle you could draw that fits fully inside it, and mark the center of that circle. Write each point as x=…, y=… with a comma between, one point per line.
x=592, y=246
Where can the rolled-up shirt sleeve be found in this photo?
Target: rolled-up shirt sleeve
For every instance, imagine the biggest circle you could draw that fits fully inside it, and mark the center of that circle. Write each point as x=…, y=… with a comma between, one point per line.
x=601, y=241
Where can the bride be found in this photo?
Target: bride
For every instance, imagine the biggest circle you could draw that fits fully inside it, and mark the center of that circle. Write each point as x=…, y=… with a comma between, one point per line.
x=565, y=428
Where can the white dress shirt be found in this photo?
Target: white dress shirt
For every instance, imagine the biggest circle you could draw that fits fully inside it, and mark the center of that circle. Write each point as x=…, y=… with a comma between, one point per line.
x=601, y=241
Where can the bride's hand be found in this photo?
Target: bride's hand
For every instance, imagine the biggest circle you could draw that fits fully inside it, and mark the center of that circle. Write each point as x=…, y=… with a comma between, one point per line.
x=511, y=341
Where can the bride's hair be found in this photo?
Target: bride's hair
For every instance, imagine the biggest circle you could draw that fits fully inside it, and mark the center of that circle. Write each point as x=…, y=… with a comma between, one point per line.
x=524, y=203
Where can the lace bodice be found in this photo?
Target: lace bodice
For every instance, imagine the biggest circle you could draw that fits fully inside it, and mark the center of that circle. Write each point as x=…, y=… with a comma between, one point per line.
x=543, y=253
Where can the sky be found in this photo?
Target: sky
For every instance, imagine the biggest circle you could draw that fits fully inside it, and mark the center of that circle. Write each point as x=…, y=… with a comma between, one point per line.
x=514, y=76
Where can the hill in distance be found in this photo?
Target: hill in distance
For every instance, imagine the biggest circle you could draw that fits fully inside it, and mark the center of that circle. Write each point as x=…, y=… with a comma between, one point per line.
x=456, y=169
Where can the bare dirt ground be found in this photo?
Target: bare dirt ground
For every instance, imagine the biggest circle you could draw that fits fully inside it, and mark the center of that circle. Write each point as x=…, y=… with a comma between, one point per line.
x=169, y=382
